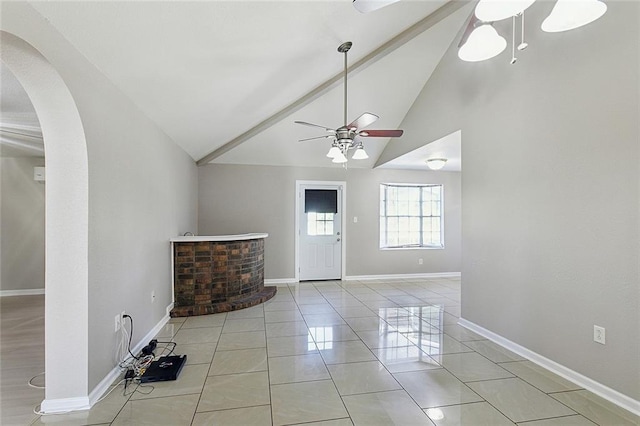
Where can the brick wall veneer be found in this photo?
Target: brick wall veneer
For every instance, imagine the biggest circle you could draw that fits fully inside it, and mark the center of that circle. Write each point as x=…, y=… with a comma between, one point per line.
x=212, y=277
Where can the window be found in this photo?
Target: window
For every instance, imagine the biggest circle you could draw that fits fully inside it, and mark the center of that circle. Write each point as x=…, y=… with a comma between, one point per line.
x=320, y=223
x=320, y=205
x=411, y=216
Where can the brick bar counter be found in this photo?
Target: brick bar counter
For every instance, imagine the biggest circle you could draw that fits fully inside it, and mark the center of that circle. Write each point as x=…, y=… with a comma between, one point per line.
x=214, y=274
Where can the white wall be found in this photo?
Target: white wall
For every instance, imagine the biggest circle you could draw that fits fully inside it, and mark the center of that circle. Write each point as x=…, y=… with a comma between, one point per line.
x=142, y=191
x=21, y=225
x=239, y=199
x=550, y=188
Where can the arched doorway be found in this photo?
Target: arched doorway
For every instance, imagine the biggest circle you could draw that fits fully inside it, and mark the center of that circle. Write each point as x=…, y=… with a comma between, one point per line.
x=66, y=217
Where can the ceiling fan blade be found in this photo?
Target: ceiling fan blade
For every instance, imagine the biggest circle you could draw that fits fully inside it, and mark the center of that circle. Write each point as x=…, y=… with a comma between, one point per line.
x=304, y=123
x=364, y=6
x=381, y=133
x=363, y=121
x=316, y=137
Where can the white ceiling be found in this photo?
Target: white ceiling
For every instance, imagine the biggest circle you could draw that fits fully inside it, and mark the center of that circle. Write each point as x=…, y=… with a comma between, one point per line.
x=206, y=72
x=448, y=147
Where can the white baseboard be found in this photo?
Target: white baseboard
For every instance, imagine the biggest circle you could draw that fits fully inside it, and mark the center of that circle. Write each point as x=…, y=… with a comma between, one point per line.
x=64, y=405
x=403, y=276
x=27, y=292
x=591, y=385
x=108, y=380
x=280, y=282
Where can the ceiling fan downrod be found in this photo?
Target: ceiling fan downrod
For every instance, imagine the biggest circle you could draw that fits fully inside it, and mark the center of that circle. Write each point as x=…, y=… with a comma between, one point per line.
x=344, y=48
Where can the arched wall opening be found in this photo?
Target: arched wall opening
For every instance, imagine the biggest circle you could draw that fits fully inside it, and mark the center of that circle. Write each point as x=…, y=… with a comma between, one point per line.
x=66, y=218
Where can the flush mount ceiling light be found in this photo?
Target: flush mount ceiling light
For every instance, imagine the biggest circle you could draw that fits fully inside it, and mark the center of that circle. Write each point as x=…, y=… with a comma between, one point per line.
x=481, y=45
x=436, y=163
x=570, y=14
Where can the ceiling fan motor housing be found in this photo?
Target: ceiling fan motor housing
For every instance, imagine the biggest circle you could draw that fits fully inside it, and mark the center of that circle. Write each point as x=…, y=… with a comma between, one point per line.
x=345, y=135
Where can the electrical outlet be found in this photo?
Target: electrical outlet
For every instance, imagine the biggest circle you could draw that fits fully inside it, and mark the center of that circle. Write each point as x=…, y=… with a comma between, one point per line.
x=117, y=323
x=153, y=296
x=599, y=334
x=420, y=261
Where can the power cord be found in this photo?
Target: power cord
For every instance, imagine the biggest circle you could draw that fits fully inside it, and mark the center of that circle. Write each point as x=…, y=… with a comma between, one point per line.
x=130, y=336
x=30, y=382
x=173, y=347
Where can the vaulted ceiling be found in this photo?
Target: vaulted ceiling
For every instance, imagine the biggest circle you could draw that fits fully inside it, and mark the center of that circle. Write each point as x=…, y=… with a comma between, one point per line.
x=226, y=79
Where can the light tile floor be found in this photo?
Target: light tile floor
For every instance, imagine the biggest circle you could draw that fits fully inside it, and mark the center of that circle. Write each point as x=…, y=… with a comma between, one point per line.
x=341, y=353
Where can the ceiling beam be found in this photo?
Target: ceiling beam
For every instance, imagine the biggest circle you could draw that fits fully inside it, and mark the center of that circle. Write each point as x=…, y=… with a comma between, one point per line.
x=407, y=35
x=21, y=144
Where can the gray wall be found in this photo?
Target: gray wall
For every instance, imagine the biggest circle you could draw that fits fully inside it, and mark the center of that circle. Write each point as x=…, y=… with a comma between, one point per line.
x=550, y=187
x=239, y=199
x=21, y=225
x=142, y=191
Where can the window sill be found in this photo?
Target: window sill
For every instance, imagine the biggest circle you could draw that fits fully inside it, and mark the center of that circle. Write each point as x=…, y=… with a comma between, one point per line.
x=412, y=248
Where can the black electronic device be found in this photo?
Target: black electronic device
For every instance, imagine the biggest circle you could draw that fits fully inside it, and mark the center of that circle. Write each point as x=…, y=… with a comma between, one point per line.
x=164, y=369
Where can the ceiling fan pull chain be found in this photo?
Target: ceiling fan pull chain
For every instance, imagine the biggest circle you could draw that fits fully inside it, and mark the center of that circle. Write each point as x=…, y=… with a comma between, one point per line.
x=513, y=41
x=523, y=44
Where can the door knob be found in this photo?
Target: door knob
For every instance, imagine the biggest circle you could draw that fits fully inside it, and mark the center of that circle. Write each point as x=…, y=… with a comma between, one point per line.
x=338, y=239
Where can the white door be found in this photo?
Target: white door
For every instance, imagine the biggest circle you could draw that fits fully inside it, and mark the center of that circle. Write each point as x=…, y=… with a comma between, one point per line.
x=320, y=219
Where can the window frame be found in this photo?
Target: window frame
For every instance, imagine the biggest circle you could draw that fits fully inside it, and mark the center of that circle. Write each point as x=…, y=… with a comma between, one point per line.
x=421, y=245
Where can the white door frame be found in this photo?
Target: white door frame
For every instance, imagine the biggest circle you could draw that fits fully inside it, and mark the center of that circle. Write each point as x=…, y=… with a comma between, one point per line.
x=343, y=215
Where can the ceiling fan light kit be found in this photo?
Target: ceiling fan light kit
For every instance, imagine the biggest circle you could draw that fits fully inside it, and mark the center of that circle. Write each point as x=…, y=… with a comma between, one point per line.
x=344, y=137
x=480, y=43
x=340, y=158
x=483, y=43
x=570, y=14
x=497, y=10
x=360, y=154
x=334, y=151
x=366, y=6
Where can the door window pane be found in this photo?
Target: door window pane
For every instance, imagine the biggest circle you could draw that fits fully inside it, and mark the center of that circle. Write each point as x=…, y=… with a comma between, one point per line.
x=320, y=223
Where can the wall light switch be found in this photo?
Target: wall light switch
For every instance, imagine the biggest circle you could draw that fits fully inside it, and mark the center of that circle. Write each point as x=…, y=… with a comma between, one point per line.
x=355, y=219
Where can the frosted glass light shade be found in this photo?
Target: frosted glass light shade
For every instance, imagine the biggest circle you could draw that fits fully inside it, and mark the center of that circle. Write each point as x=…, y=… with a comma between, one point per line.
x=570, y=14
x=360, y=154
x=340, y=158
x=497, y=10
x=436, y=163
x=483, y=43
x=365, y=6
x=333, y=152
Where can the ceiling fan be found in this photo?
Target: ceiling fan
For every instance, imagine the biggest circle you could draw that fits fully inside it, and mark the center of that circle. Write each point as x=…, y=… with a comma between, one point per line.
x=344, y=137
